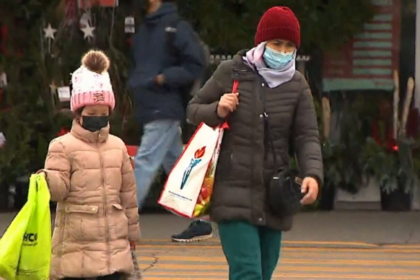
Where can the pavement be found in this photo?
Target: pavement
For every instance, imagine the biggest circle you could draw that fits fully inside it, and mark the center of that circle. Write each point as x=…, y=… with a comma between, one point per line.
x=205, y=261
x=353, y=226
x=322, y=245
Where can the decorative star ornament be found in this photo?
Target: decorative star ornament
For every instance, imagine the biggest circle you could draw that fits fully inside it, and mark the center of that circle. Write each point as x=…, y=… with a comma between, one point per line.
x=88, y=31
x=49, y=32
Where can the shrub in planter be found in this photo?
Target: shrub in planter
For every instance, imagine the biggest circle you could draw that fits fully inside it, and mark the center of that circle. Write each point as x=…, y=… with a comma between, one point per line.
x=342, y=158
x=395, y=171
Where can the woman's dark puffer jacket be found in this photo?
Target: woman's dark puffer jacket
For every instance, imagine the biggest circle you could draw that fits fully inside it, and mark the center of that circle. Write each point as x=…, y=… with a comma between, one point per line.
x=246, y=164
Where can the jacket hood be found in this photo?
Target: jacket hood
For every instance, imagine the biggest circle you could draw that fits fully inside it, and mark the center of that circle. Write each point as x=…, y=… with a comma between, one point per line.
x=243, y=52
x=238, y=61
x=165, y=10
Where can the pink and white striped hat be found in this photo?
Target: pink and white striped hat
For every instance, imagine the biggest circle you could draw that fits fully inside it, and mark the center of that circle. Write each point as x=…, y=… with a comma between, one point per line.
x=91, y=82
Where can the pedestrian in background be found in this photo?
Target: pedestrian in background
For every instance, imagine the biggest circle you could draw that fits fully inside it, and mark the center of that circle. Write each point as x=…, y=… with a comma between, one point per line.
x=167, y=59
x=273, y=103
x=89, y=174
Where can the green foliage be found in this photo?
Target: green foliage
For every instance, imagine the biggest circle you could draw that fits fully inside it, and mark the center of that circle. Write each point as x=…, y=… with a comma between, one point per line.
x=356, y=157
x=325, y=24
x=333, y=166
x=391, y=169
x=32, y=63
x=14, y=156
x=342, y=166
x=379, y=164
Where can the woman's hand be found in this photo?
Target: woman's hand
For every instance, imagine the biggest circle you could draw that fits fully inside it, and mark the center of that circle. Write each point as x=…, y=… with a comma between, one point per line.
x=227, y=104
x=311, y=188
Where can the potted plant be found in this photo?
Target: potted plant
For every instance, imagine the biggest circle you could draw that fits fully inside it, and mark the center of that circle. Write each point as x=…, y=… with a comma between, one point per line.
x=395, y=172
x=388, y=156
x=354, y=189
x=342, y=175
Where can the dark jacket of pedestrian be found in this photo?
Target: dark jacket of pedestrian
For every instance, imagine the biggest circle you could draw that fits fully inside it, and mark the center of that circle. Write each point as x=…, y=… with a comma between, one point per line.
x=152, y=57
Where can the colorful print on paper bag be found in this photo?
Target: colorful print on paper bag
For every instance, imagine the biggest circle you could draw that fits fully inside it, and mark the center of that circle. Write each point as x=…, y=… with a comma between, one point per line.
x=203, y=201
x=194, y=161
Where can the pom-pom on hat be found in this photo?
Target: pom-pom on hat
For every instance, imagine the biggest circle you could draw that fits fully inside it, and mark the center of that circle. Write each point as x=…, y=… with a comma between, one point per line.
x=278, y=23
x=91, y=83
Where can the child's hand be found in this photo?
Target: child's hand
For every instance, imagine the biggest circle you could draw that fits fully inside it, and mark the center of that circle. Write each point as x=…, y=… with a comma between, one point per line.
x=41, y=172
x=133, y=245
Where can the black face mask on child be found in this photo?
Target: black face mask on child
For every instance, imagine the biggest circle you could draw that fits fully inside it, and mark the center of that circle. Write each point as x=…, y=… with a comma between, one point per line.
x=94, y=123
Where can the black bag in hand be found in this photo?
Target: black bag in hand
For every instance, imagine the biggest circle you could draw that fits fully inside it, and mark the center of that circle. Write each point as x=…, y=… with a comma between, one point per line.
x=284, y=193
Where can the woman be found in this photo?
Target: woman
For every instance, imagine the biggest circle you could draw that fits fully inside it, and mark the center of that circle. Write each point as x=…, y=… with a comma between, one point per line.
x=89, y=174
x=269, y=88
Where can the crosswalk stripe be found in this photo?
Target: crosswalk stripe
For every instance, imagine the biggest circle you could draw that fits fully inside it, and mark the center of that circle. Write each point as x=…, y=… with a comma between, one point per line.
x=307, y=243
x=191, y=247
x=363, y=262
x=207, y=262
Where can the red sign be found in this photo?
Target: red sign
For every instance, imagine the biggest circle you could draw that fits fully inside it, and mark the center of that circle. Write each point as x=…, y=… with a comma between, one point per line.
x=86, y=4
x=368, y=61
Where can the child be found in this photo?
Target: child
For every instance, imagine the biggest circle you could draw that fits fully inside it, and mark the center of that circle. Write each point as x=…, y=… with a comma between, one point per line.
x=90, y=176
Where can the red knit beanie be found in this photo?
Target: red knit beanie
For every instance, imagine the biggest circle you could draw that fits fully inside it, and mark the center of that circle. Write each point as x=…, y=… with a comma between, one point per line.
x=278, y=23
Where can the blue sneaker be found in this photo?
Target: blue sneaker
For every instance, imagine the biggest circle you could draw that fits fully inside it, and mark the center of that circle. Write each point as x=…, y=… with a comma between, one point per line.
x=196, y=231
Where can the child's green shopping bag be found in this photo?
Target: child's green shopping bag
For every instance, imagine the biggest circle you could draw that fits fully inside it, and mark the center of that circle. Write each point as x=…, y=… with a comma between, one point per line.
x=25, y=248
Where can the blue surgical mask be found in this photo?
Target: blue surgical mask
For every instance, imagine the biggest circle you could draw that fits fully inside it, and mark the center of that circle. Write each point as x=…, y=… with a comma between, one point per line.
x=277, y=60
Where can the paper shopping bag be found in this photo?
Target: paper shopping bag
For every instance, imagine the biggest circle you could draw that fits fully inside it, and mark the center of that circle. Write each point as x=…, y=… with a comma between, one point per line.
x=189, y=186
x=184, y=182
x=25, y=249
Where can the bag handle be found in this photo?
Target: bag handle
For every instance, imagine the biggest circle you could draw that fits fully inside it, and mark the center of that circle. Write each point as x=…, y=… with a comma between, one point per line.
x=267, y=134
x=268, y=139
x=235, y=86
